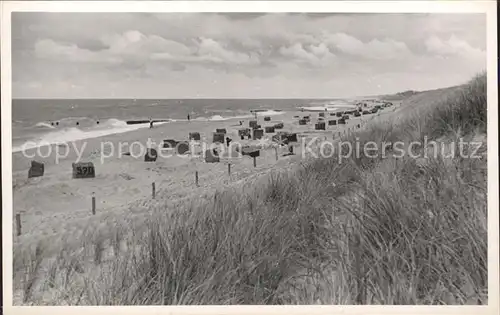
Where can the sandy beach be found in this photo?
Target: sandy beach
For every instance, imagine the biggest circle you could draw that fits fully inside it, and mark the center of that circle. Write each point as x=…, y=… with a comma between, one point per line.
x=56, y=204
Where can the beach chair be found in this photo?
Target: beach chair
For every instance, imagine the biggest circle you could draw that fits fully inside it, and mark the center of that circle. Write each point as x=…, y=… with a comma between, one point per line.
x=269, y=129
x=83, y=170
x=169, y=143
x=258, y=134
x=245, y=132
x=320, y=126
x=182, y=147
x=250, y=151
x=194, y=136
x=218, y=137
x=211, y=156
x=36, y=170
x=151, y=155
x=292, y=137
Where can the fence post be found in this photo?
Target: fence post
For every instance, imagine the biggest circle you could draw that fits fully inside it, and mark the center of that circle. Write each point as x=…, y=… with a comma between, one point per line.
x=153, y=190
x=93, y=204
x=254, y=161
x=358, y=271
x=18, y=223
x=196, y=178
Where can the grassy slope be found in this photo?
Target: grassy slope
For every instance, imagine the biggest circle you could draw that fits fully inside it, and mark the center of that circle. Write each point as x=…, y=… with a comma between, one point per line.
x=367, y=230
x=406, y=94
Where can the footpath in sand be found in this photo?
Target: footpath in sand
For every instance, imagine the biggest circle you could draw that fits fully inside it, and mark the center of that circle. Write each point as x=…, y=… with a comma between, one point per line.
x=56, y=206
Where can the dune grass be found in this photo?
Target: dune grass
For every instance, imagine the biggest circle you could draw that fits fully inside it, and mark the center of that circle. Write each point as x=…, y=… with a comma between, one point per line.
x=379, y=230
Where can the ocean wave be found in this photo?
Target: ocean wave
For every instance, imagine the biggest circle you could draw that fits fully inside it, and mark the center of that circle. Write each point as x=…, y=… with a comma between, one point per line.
x=68, y=134
x=67, y=130
x=44, y=125
x=65, y=122
x=218, y=118
x=269, y=112
x=327, y=108
x=265, y=113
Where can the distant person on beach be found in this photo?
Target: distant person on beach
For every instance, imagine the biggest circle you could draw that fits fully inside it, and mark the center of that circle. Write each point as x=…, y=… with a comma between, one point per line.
x=189, y=118
x=241, y=123
x=150, y=123
x=77, y=123
x=228, y=141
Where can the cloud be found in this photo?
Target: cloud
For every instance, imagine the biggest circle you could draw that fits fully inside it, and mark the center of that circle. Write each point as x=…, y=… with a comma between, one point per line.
x=374, y=49
x=209, y=49
x=315, y=55
x=452, y=47
x=49, y=49
x=134, y=47
x=265, y=54
x=134, y=42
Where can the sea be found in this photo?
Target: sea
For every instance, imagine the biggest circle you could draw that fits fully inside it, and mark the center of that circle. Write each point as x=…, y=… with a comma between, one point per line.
x=38, y=122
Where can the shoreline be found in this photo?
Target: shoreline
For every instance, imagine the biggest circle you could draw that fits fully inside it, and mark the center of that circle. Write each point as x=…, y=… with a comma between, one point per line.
x=128, y=126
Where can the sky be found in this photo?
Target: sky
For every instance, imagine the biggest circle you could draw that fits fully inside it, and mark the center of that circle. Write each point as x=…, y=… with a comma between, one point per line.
x=241, y=55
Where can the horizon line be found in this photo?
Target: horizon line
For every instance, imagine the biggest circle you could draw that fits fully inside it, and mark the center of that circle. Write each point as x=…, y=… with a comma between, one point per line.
x=187, y=98
x=242, y=98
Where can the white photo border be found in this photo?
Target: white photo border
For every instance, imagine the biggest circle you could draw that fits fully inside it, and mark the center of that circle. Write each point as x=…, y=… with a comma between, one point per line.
x=487, y=7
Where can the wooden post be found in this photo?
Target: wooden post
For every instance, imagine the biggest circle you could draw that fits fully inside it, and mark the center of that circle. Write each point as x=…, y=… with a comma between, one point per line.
x=93, y=204
x=358, y=271
x=196, y=178
x=18, y=223
x=254, y=161
x=276, y=152
x=153, y=190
